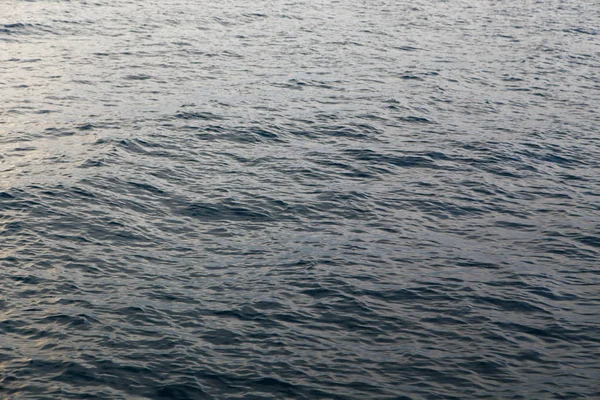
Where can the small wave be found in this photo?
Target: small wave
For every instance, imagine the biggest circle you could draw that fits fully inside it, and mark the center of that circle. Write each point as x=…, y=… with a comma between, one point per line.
x=14, y=30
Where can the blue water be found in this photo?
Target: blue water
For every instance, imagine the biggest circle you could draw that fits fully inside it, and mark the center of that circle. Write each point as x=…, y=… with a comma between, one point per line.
x=280, y=199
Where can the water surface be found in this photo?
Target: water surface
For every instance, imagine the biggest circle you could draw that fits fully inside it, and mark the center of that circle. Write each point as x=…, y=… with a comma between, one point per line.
x=299, y=199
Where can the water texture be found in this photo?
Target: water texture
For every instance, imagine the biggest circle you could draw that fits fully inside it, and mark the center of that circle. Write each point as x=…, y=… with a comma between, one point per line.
x=282, y=199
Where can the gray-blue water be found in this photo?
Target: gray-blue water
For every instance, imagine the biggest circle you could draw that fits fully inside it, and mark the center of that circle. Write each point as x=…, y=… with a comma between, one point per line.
x=285, y=199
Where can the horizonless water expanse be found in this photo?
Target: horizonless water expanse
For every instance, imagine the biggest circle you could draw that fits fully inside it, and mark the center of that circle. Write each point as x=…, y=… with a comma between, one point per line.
x=275, y=199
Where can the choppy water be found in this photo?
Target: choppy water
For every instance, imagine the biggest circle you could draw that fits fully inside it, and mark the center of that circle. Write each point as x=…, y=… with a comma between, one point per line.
x=299, y=199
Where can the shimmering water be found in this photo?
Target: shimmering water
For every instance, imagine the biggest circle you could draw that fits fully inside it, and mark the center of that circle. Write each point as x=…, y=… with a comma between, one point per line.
x=299, y=199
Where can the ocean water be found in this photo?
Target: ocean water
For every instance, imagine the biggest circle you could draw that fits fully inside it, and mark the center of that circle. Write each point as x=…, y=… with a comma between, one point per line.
x=284, y=199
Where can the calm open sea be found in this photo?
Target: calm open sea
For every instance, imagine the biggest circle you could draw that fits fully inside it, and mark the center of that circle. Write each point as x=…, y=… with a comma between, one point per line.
x=286, y=199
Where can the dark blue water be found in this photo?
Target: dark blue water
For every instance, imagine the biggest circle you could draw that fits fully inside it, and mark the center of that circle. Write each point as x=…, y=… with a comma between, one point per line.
x=280, y=199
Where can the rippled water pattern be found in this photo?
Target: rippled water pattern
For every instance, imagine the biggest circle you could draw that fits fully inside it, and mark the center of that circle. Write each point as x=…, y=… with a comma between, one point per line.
x=280, y=199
